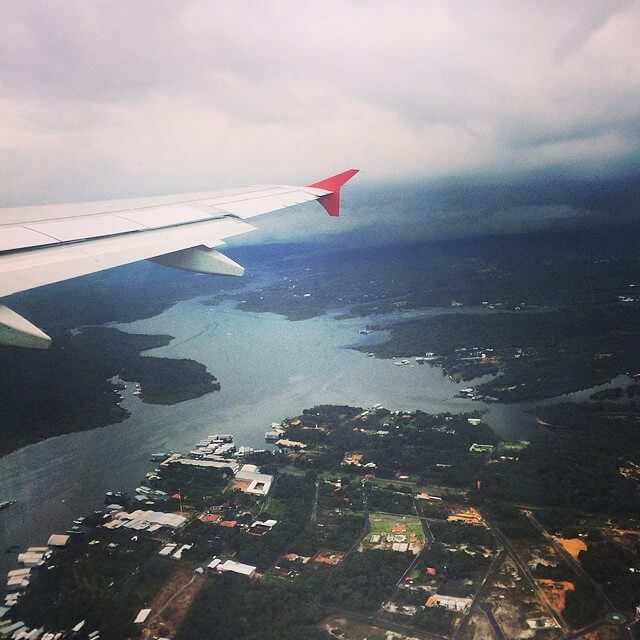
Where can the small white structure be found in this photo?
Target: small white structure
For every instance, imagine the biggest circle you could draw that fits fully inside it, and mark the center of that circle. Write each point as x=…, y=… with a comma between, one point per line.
x=31, y=559
x=143, y=614
x=268, y=524
x=167, y=550
x=178, y=554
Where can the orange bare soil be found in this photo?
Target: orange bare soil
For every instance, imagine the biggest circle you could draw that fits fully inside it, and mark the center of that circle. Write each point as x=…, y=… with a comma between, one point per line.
x=556, y=591
x=573, y=546
x=468, y=516
x=328, y=557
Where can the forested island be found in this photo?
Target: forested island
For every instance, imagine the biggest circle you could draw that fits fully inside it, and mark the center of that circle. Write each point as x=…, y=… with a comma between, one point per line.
x=68, y=388
x=533, y=355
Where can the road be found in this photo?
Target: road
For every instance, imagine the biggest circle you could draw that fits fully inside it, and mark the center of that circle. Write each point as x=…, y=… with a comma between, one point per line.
x=477, y=599
x=487, y=607
x=392, y=626
x=577, y=567
x=428, y=538
x=314, y=511
x=524, y=569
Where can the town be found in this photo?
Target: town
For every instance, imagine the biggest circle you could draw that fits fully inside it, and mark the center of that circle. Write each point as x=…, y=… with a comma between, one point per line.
x=353, y=523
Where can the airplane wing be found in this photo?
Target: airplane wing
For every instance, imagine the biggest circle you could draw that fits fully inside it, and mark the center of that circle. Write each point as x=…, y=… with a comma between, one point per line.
x=46, y=244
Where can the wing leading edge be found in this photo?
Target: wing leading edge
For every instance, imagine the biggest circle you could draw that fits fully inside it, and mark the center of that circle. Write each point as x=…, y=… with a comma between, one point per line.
x=43, y=245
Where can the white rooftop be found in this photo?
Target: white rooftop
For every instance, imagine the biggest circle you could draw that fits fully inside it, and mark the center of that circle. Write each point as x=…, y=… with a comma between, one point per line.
x=58, y=540
x=236, y=567
x=143, y=614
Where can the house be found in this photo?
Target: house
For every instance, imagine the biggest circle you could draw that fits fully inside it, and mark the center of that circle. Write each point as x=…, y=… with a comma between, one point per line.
x=259, y=528
x=285, y=443
x=236, y=567
x=57, y=540
x=251, y=481
x=451, y=603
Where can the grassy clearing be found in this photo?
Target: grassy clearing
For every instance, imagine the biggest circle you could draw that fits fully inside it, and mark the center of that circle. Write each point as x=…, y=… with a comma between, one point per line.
x=382, y=523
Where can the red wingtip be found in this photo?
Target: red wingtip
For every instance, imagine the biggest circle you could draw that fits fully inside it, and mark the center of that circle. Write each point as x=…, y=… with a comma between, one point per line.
x=331, y=201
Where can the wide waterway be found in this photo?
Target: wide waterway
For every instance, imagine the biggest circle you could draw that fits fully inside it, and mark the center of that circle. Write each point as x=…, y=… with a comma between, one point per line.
x=269, y=368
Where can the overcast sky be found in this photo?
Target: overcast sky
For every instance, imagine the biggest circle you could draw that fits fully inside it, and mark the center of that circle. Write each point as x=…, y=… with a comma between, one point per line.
x=101, y=99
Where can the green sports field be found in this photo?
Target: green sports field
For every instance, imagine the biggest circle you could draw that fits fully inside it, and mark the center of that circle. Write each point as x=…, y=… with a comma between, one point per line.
x=382, y=523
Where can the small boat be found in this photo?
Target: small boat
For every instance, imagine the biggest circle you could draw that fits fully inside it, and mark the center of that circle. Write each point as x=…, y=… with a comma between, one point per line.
x=6, y=503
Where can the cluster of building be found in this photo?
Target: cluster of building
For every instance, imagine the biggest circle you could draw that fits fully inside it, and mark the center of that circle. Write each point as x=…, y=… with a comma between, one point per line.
x=140, y=520
x=18, y=580
x=218, y=451
x=19, y=631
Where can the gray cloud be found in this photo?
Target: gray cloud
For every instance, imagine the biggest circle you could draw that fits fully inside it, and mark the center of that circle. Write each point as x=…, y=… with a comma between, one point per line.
x=106, y=99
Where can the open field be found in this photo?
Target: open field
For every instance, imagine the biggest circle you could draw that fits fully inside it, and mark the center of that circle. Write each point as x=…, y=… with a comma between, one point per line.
x=394, y=532
x=171, y=604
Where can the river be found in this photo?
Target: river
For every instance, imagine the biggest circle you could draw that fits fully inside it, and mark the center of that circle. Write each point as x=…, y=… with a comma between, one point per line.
x=269, y=368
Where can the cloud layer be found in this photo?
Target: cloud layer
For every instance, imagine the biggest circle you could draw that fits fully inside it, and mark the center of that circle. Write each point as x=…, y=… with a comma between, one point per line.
x=106, y=99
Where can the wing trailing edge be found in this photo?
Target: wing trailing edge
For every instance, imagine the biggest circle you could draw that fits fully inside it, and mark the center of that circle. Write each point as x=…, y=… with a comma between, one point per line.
x=17, y=331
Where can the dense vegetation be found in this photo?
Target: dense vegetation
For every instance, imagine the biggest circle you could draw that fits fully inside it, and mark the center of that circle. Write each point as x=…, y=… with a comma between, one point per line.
x=432, y=448
x=538, y=354
x=230, y=607
x=577, y=465
x=366, y=579
x=455, y=533
x=609, y=564
x=435, y=620
x=531, y=269
x=338, y=533
x=512, y=522
x=73, y=388
x=295, y=494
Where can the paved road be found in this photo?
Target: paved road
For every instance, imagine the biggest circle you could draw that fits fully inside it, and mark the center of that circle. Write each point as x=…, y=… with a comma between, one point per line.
x=428, y=535
x=481, y=593
x=487, y=607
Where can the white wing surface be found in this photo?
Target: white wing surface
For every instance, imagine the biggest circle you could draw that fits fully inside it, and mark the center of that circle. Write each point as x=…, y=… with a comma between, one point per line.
x=47, y=244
